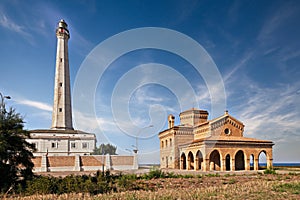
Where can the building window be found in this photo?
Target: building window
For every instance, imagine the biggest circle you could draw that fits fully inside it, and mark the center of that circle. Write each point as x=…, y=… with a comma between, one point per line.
x=60, y=109
x=60, y=59
x=162, y=144
x=166, y=143
x=85, y=145
x=60, y=84
x=227, y=131
x=170, y=142
x=54, y=144
x=35, y=145
x=73, y=145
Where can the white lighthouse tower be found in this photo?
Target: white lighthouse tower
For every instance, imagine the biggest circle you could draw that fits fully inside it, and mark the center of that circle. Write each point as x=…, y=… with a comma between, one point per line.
x=62, y=111
x=61, y=139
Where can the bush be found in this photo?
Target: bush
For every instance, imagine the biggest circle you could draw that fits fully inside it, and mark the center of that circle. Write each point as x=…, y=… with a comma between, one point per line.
x=153, y=174
x=269, y=171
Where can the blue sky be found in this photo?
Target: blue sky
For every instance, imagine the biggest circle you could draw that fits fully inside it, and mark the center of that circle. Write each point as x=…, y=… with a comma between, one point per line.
x=254, y=44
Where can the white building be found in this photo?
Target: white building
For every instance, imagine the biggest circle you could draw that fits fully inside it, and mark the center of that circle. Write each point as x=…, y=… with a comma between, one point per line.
x=62, y=139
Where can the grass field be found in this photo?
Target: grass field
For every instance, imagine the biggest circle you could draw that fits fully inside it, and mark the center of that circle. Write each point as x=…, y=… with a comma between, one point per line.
x=208, y=186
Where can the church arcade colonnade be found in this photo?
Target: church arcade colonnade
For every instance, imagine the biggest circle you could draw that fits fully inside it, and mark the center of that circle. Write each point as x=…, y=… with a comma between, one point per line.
x=218, y=159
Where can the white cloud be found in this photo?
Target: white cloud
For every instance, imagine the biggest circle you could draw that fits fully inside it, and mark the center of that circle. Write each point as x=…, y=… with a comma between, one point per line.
x=34, y=104
x=14, y=27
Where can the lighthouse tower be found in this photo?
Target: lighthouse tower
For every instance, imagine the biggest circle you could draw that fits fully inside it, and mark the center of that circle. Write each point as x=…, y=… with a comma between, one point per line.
x=62, y=111
x=61, y=139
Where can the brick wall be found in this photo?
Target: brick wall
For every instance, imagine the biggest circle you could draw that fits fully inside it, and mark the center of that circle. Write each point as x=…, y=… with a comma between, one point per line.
x=92, y=160
x=37, y=161
x=121, y=160
x=60, y=161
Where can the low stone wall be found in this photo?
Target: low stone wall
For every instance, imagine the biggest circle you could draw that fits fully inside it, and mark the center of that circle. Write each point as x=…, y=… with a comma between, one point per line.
x=84, y=163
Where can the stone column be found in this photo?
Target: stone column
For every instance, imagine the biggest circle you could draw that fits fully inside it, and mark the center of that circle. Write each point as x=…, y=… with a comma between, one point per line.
x=223, y=165
x=269, y=163
x=247, y=164
x=205, y=165
x=232, y=165
x=255, y=160
x=196, y=164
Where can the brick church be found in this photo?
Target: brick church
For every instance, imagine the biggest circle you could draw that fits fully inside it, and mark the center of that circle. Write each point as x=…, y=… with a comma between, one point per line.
x=210, y=145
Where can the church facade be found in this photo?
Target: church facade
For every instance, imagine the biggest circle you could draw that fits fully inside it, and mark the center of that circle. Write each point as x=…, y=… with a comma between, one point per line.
x=210, y=145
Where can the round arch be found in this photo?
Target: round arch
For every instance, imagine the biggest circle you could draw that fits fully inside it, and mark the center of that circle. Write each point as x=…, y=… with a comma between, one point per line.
x=262, y=159
x=227, y=162
x=215, y=160
x=199, y=160
x=239, y=160
x=190, y=161
x=183, y=161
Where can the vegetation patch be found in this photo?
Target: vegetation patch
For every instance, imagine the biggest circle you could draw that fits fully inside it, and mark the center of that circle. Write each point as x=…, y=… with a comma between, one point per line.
x=293, y=188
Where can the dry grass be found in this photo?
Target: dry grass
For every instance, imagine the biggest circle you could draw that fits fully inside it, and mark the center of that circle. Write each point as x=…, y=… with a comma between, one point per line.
x=278, y=186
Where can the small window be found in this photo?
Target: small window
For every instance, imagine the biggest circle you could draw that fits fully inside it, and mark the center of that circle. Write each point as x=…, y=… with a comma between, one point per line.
x=73, y=145
x=84, y=145
x=162, y=144
x=227, y=131
x=60, y=109
x=170, y=142
x=34, y=145
x=60, y=84
x=54, y=145
x=60, y=59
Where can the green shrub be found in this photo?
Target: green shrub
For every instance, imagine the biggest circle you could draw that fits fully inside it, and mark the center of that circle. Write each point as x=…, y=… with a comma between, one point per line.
x=269, y=171
x=154, y=174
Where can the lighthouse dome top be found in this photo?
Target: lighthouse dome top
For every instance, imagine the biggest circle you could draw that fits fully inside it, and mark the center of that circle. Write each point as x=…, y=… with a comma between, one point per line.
x=62, y=24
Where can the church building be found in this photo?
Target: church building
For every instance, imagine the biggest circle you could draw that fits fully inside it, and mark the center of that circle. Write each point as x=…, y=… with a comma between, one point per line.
x=210, y=145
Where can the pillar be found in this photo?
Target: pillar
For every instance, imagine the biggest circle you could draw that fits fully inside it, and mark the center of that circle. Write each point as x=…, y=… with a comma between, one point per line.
x=223, y=165
x=206, y=165
x=196, y=163
x=232, y=164
x=77, y=163
x=247, y=164
x=269, y=163
x=255, y=160
x=135, y=161
x=44, y=164
x=108, y=162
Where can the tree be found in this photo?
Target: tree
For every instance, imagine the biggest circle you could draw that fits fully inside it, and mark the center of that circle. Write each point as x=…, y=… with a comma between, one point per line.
x=104, y=149
x=15, y=152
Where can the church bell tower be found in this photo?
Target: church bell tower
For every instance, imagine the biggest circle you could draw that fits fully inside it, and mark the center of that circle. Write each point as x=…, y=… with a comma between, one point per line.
x=62, y=108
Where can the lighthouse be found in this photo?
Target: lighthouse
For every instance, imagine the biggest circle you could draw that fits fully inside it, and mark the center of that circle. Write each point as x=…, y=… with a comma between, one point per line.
x=62, y=111
x=62, y=139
